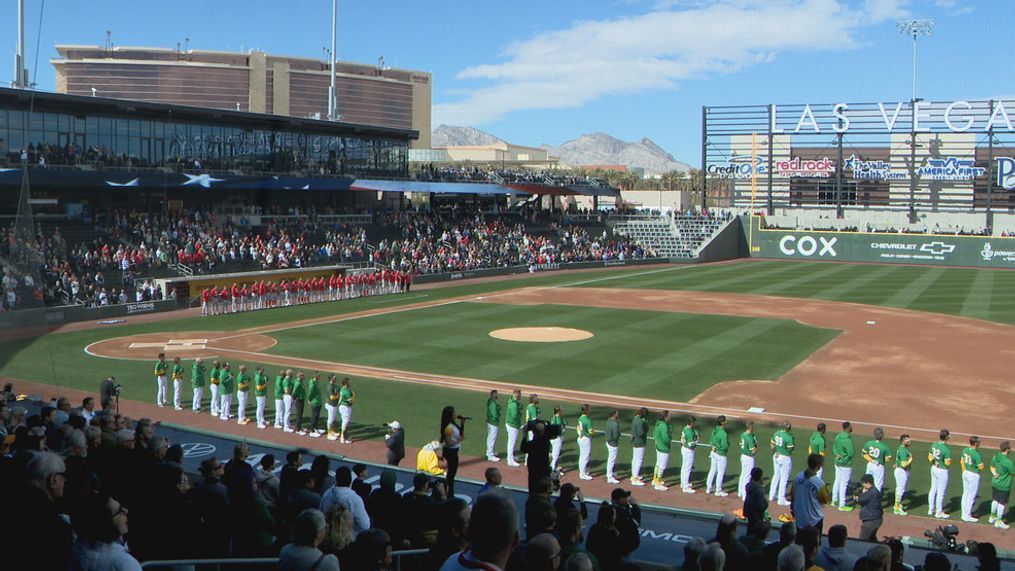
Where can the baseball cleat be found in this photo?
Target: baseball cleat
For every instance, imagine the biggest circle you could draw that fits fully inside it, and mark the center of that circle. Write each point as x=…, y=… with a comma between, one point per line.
x=612, y=481
x=178, y=407
x=970, y=519
x=288, y=430
x=942, y=515
x=999, y=524
x=899, y=511
x=637, y=482
x=846, y=508
x=492, y=459
x=688, y=490
x=585, y=477
x=721, y=494
x=659, y=487
x=315, y=435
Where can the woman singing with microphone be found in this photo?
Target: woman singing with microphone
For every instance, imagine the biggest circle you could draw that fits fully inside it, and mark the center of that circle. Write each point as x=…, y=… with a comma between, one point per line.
x=452, y=434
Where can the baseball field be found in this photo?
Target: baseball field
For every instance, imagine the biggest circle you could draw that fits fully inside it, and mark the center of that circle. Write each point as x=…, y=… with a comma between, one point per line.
x=911, y=349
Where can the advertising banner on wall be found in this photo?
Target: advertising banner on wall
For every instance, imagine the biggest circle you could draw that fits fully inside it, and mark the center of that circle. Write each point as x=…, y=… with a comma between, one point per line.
x=925, y=249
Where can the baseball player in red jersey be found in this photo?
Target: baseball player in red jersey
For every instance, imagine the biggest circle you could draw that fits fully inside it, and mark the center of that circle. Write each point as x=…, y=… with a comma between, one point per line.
x=274, y=294
x=339, y=287
x=226, y=298
x=213, y=295
x=205, y=302
x=244, y=297
x=408, y=280
x=331, y=287
x=235, y=295
x=255, y=295
x=322, y=288
x=286, y=286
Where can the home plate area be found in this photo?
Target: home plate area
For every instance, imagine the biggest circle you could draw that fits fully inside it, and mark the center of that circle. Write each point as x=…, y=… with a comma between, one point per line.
x=186, y=345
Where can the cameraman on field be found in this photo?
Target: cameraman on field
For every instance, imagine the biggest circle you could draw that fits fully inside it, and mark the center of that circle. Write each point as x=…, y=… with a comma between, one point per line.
x=536, y=443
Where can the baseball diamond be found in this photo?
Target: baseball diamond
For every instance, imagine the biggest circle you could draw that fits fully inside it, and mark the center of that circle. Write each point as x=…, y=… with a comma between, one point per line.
x=766, y=341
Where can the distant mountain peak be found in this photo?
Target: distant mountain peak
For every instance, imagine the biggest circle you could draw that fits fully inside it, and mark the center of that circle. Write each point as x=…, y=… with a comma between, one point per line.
x=595, y=148
x=452, y=136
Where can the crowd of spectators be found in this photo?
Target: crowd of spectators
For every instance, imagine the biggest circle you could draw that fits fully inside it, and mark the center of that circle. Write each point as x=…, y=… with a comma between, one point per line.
x=94, y=490
x=461, y=240
x=936, y=230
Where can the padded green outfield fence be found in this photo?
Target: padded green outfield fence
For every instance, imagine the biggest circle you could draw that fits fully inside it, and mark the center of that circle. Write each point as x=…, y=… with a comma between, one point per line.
x=924, y=249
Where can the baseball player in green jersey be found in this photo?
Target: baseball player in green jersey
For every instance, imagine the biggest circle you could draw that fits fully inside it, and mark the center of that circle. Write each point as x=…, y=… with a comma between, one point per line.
x=532, y=410
x=719, y=441
x=612, y=445
x=903, y=462
x=177, y=384
x=842, y=458
x=663, y=436
x=816, y=445
x=1001, y=469
x=557, y=443
x=316, y=400
x=971, y=463
x=940, y=458
x=213, y=385
x=585, y=433
x=260, y=396
x=748, y=451
x=531, y=415
x=197, y=382
x=493, y=410
x=331, y=405
x=346, y=398
x=639, y=434
x=688, y=443
x=782, y=445
x=299, y=395
x=278, y=391
x=160, y=380
x=877, y=454
x=242, y=395
x=287, y=401
x=513, y=423
x=227, y=386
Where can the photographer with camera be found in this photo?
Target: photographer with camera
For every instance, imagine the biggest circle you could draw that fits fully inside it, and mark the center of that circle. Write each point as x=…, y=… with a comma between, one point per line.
x=871, y=512
x=452, y=435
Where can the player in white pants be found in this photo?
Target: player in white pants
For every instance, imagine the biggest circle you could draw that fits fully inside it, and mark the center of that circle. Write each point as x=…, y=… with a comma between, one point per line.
x=279, y=391
x=842, y=461
x=940, y=457
x=346, y=398
x=242, y=395
x=287, y=403
x=493, y=409
x=971, y=463
x=585, y=432
x=639, y=437
x=688, y=444
x=160, y=380
x=213, y=387
x=720, y=444
x=903, y=460
x=260, y=397
x=782, y=466
x=197, y=381
x=557, y=443
x=748, y=450
x=612, y=434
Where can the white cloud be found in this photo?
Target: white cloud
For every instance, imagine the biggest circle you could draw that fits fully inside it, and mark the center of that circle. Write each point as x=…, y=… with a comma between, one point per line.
x=654, y=51
x=953, y=7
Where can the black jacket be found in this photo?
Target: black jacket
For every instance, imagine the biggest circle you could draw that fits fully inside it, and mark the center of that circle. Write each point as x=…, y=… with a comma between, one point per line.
x=755, y=504
x=396, y=446
x=870, y=505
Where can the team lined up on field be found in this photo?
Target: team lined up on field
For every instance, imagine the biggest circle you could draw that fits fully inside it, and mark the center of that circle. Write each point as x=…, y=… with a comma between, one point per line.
x=291, y=392
x=266, y=294
x=875, y=452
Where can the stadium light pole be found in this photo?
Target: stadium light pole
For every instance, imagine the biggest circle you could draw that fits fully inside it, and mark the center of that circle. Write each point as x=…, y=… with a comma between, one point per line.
x=20, y=81
x=332, y=96
x=915, y=28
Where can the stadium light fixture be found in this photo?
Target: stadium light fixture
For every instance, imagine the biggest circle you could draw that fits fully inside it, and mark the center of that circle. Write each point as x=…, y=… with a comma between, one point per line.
x=915, y=28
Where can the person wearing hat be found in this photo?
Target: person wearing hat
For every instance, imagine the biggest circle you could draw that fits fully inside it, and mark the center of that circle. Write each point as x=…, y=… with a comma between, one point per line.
x=197, y=382
x=628, y=519
x=395, y=441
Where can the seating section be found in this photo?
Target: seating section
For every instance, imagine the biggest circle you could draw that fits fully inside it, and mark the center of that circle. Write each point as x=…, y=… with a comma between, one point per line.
x=680, y=236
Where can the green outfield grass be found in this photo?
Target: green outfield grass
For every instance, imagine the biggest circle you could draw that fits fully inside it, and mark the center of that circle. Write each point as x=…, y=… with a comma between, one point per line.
x=671, y=356
x=453, y=339
x=983, y=294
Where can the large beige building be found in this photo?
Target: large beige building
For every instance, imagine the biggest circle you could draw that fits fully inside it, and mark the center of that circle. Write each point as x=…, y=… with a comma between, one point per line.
x=256, y=81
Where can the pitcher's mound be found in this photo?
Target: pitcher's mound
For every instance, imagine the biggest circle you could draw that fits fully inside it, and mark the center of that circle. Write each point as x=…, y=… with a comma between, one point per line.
x=541, y=334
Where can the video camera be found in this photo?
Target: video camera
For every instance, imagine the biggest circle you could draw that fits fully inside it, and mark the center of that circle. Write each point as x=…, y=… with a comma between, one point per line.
x=945, y=538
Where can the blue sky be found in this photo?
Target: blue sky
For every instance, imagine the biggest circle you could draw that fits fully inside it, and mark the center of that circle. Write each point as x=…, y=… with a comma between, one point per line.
x=543, y=71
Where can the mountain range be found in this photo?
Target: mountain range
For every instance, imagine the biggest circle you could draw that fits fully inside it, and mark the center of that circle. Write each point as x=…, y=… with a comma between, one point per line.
x=589, y=149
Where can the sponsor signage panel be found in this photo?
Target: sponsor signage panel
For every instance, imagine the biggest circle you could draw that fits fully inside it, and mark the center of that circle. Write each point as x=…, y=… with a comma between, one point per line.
x=972, y=251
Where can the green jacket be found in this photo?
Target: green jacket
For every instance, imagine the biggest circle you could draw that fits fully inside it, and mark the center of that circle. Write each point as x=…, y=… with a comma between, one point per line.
x=662, y=434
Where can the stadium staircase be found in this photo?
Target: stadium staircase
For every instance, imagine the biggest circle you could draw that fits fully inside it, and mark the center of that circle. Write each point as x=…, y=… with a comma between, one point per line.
x=676, y=236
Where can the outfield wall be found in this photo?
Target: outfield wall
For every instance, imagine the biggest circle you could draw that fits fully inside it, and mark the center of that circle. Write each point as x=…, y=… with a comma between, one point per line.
x=880, y=247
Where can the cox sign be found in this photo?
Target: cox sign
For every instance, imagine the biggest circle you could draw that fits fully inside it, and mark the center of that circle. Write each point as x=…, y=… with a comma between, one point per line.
x=808, y=246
